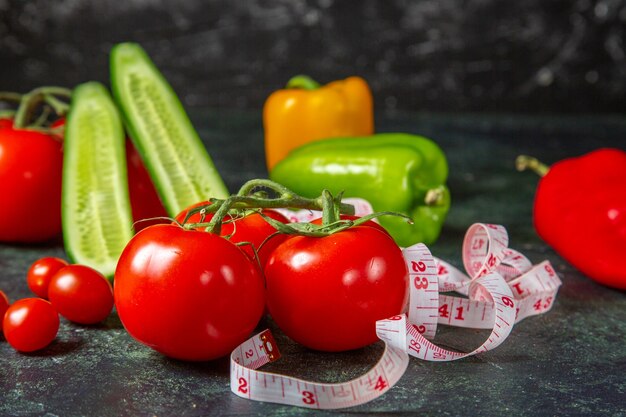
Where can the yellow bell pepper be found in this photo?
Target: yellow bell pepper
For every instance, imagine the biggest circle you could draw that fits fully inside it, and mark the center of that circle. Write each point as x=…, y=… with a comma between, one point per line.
x=305, y=111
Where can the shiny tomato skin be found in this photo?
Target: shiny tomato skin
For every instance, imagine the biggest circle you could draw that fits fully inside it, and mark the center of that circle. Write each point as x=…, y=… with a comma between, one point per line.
x=4, y=305
x=187, y=294
x=252, y=228
x=30, y=185
x=327, y=293
x=41, y=272
x=81, y=294
x=30, y=324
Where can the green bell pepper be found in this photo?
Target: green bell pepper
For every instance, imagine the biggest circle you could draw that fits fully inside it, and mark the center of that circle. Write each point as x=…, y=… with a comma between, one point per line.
x=393, y=171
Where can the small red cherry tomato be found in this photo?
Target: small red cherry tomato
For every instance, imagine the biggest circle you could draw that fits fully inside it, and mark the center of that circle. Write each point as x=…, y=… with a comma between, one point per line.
x=4, y=305
x=81, y=294
x=251, y=228
x=30, y=324
x=40, y=273
x=327, y=293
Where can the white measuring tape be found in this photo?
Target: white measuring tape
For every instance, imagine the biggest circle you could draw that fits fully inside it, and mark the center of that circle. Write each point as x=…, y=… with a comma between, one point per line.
x=502, y=287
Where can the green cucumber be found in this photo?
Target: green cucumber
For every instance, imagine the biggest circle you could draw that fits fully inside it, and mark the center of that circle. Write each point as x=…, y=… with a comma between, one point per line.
x=96, y=211
x=177, y=160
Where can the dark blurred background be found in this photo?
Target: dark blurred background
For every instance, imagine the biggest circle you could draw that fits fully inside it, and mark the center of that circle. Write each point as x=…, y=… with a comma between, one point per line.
x=526, y=56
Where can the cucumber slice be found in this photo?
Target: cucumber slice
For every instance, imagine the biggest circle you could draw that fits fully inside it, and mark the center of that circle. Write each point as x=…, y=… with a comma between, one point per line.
x=179, y=164
x=96, y=212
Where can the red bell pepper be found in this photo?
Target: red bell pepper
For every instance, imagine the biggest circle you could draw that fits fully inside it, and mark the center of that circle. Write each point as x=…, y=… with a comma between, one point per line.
x=580, y=211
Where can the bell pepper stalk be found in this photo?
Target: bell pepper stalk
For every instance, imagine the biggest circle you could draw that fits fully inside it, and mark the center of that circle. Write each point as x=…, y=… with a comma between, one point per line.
x=305, y=111
x=395, y=172
x=580, y=211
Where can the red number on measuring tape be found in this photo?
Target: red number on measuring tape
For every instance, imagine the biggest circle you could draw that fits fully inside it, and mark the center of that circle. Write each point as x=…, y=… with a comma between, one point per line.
x=492, y=260
x=442, y=270
x=550, y=270
x=243, y=385
x=459, y=315
x=439, y=355
x=395, y=318
x=381, y=384
x=420, y=283
x=420, y=329
x=443, y=311
x=508, y=302
x=478, y=244
x=308, y=397
x=249, y=353
x=518, y=288
x=414, y=345
x=418, y=266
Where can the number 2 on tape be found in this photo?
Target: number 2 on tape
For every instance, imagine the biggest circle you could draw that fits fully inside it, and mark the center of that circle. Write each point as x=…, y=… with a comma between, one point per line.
x=501, y=287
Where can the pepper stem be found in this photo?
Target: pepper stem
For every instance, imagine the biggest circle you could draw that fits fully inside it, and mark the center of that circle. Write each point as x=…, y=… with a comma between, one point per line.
x=434, y=196
x=524, y=162
x=304, y=82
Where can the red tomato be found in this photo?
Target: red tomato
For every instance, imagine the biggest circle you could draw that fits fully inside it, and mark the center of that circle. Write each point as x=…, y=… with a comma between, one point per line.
x=30, y=324
x=252, y=229
x=187, y=294
x=144, y=200
x=4, y=305
x=40, y=273
x=327, y=293
x=30, y=185
x=81, y=294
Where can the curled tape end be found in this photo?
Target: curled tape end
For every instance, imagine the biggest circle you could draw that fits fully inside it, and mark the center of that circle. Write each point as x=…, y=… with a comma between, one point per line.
x=269, y=345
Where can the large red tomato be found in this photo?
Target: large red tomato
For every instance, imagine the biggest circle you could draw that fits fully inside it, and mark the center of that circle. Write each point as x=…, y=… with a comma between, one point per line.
x=328, y=292
x=30, y=185
x=251, y=228
x=190, y=295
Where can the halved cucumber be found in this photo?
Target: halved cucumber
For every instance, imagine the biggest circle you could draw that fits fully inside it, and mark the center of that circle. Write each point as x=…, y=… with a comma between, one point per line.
x=179, y=164
x=96, y=212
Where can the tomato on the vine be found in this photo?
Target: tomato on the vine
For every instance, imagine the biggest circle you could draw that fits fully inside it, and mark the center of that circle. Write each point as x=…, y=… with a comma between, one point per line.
x=30, y=324
x=369, y=223
x=328, y=292
x=40, y=273
x=4, y=305
x=251, y=228
x=188, y=294
x=81, y=294
x=30, y=182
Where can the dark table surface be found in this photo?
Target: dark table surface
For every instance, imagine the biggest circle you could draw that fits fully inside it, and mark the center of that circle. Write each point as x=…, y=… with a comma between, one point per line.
x=570, y=361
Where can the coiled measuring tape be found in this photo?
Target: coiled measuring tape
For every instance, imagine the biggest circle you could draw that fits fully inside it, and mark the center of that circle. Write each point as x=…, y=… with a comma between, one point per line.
x=501, y=287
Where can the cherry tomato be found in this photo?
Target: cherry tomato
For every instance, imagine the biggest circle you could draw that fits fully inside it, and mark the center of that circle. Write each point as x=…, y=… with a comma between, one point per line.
x=190, y=295
x=4, y=305
x=251, y=228
x=40, y=273
x=328, y=292
x=30, y=324
x=81, y=294
x=30, y=185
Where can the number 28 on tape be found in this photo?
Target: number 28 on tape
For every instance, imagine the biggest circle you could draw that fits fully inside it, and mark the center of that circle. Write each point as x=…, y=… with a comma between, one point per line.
x=500, y=288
